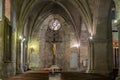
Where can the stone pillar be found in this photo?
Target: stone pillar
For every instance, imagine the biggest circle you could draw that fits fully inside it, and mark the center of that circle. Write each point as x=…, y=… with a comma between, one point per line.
x=25, y=55
x=18, y=69
x=100, y=56
x=117, y=5
x=90, y=54
x=118, y=78
x=14, y=50
x=14, y=31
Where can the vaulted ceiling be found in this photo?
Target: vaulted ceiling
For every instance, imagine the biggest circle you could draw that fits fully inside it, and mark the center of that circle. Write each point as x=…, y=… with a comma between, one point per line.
x=34, y=12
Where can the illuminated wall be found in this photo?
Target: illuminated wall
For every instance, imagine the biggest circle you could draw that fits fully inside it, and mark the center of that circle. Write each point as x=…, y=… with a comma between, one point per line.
x=7, y=9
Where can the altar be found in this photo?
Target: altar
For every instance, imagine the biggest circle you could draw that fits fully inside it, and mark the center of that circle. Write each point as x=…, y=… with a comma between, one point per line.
x=53, y=69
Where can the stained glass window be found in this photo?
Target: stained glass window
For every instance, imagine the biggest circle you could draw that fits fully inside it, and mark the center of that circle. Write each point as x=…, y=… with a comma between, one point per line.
x=54, y=24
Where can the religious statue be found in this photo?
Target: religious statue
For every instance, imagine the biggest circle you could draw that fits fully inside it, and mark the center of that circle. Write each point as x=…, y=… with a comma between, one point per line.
x=54, y=48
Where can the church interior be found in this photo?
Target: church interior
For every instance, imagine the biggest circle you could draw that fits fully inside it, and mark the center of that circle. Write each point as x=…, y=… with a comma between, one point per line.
x=59, y=39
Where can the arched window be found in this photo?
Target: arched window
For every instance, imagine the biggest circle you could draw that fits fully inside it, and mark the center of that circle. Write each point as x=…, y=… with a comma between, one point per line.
x=54, y=24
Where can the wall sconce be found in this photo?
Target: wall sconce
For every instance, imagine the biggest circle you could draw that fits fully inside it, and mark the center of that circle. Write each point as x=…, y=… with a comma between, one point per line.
x=20, y=37
x=91, y=37
x=115, y=21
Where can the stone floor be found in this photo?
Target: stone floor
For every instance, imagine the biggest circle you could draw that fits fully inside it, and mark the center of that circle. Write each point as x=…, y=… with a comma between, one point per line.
x=41, y=75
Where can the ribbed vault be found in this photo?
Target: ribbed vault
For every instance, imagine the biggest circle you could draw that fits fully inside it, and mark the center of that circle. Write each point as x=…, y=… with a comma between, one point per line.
x=35, y=11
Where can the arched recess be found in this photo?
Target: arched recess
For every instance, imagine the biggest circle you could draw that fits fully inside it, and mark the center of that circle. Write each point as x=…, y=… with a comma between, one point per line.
x=35, y=17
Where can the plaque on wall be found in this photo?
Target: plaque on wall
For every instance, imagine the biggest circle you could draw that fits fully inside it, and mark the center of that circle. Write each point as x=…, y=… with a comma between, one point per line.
x=73, y=60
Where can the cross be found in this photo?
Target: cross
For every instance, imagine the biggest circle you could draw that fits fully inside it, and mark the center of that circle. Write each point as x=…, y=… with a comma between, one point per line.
x=54, y=41
x=54, y=46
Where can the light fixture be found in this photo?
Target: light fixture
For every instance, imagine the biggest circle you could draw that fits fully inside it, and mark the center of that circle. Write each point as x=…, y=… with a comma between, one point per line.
x=20, y=37
x=91, y=37
x=115, y=21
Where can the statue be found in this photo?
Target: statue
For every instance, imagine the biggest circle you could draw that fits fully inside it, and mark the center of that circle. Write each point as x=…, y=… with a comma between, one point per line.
x=54, y=52
x=54, y=48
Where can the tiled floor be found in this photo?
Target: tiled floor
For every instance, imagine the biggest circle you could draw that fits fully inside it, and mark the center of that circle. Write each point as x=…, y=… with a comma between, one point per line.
x=55, y=77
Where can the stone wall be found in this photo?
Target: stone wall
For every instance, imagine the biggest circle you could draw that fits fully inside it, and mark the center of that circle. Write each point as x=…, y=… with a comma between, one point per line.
x=65, y=48
x=84, y=48
x=6, y=68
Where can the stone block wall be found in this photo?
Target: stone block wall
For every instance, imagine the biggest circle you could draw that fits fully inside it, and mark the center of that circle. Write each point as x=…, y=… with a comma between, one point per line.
x=63, y=52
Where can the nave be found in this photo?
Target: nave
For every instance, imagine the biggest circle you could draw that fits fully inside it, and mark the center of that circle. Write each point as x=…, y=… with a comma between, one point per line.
x=69, y=35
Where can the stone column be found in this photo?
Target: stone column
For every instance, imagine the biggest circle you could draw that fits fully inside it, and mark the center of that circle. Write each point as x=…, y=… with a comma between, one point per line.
x=100, y=56
x=117, y=5
x=118, y=78
x=14, y=39
x=18, y=45
x=90, y=54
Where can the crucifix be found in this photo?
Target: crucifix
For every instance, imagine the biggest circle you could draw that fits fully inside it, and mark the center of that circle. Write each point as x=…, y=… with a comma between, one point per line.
x=54, y=25
x=54, y=46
